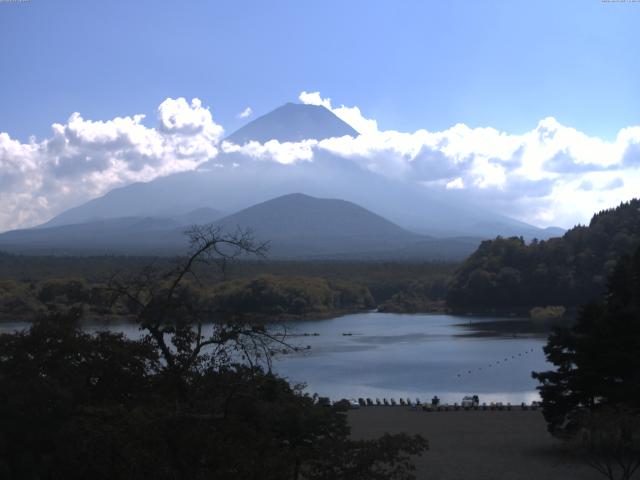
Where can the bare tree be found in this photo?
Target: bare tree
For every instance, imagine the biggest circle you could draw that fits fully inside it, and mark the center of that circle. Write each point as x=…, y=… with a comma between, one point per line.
x=168, y=307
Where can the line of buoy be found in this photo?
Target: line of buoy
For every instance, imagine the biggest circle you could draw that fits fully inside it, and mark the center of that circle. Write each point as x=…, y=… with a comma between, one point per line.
x=497, y=362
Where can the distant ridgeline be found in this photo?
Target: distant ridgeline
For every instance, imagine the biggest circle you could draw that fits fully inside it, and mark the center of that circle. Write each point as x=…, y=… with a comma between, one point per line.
x=506, y=273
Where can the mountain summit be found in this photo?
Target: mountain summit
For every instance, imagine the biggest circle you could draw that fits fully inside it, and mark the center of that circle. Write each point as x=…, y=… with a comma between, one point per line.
x=233, y=181
x=293, y=122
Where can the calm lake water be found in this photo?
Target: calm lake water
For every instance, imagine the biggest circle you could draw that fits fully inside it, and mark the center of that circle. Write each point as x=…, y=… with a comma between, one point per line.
x=392, y=355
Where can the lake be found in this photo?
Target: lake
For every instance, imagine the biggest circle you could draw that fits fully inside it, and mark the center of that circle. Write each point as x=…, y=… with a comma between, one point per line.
x=420, y=355
x=393, y=355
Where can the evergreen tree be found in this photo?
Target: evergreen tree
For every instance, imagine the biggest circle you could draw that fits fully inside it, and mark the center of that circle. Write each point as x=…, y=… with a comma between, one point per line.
x=508, y=273
x=597, y=360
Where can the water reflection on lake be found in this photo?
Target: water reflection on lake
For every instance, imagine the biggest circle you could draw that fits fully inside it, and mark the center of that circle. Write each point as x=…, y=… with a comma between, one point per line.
x=392, y=355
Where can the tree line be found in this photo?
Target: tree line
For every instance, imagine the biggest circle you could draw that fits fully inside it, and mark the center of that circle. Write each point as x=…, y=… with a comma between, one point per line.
x=508, y=273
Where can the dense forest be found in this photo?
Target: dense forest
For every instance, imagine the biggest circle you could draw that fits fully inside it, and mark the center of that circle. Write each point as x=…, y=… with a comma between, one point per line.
x=422, y=295
x=383, y=278
x=272, y=295
x=30, y=285
x=507, y=273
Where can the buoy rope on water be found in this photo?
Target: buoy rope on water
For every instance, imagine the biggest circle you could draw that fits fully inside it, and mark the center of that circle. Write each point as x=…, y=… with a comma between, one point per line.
x=520, y=354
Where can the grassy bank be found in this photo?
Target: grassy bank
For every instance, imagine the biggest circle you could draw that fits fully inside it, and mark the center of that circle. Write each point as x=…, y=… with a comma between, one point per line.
x=478, y=445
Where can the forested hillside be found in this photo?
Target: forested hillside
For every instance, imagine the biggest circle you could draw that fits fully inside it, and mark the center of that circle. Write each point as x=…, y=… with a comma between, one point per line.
x=507, y=273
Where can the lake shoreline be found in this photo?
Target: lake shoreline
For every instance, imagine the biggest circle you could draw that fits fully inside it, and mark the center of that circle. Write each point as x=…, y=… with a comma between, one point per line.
x=264, y=319
x=383, y=355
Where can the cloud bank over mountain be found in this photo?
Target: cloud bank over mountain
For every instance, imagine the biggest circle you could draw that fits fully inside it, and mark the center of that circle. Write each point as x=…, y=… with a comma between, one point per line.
x=84, y=159
x=550, y=175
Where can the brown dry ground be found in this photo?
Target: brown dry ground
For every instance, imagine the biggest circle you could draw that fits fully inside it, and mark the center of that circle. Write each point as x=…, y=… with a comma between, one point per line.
x=477, y=445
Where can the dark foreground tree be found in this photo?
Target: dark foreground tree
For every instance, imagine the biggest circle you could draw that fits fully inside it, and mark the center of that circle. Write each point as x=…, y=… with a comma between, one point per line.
x=593, y=396
x=609, y=441
x=189, y=400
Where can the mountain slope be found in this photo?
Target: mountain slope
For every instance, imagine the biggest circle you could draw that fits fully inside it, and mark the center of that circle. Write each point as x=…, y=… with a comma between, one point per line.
x=300, y=225
x=293, y=122
x=232, y=182
x=232, y=188
x=139, y=235
x=299, y=215
x=296, y=226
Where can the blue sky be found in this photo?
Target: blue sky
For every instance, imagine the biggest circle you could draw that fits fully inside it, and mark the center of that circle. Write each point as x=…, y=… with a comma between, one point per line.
x=422, y=64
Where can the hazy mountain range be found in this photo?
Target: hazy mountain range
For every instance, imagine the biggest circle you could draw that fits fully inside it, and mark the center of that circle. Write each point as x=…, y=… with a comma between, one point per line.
x=295, y=225
x=276, y=201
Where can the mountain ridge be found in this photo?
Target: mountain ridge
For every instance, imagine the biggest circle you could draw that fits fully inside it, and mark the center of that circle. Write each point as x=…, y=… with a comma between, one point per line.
x=297, y=226
x=232, y=182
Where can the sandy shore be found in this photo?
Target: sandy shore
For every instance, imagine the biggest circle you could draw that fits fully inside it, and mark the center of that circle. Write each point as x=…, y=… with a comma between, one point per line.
x=477, y=445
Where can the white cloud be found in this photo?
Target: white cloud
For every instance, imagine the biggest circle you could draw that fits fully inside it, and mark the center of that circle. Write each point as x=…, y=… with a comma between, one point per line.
x=314, y=98
x=285, y=152
x=456, y=183
x=550, y=175
x=246, y=113
x=84, y=159
x=553, y=174
x=177, y=116
x=350, y=115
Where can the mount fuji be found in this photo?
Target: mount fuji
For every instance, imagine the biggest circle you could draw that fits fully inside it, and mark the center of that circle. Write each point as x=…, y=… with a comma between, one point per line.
x=233, y=182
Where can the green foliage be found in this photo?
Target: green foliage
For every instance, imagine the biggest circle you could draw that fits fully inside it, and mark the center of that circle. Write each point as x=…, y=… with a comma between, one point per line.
x=420, y=296
x=35, y=284
x=383, y=279
x=506, y=273
x=68, y=290
x=597, y=360
x=273, y=295
x=28, y=300
x=18, y=300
